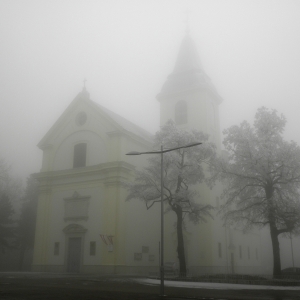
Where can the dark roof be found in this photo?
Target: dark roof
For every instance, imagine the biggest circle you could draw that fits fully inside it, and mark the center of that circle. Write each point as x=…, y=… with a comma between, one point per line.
x=125, y=124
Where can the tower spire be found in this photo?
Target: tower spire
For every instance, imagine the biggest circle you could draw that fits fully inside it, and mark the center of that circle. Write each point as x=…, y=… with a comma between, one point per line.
x=188, y=73
x=188, y=96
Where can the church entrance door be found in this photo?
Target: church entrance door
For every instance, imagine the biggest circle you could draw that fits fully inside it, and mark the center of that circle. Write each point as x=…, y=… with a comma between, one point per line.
x=74, y=255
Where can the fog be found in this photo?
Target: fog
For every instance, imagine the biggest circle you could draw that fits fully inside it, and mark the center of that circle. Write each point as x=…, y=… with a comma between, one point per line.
x=126, y=50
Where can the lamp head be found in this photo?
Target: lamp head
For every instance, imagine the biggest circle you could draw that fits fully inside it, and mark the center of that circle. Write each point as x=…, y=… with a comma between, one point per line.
x=192, y=145
x=133, y=153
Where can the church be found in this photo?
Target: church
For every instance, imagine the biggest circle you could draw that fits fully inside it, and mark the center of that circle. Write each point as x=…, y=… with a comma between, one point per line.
x=84, y=224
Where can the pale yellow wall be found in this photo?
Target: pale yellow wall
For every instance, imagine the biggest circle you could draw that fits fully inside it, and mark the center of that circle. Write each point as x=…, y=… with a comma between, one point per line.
x=201, y=241
x=142, y=229
x=101, y=181
x=96, y=150
x=93, y=223
x=106, y=215
x=202, y=113
x=58, y=154
x=42, y=227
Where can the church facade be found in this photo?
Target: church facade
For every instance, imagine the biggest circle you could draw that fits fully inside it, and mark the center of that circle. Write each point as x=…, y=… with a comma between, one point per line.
x=84, y=223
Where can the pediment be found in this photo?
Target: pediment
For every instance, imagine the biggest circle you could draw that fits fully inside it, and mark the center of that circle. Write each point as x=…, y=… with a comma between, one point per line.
x=74, y=228
x=83, y=114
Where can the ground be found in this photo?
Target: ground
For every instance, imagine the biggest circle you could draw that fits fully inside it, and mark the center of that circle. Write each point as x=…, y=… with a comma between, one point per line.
x=39, y=286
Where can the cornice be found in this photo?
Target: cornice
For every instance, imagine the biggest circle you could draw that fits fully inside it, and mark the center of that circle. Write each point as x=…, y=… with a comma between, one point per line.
x=100, y=169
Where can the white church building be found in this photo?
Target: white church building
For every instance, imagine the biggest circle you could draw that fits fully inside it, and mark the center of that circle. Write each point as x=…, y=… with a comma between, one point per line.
x=84, y=224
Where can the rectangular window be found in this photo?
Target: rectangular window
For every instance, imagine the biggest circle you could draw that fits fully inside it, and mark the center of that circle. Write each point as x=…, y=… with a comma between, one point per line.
x=56, y=248
x=138, y=256
x=92, y=248
x=241, y=253
x=145, y=249
x=79, y=159
x=220, y=249
x=248, y=252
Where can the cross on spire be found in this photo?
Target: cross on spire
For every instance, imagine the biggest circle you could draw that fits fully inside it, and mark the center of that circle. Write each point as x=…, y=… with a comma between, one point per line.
x=84, y=81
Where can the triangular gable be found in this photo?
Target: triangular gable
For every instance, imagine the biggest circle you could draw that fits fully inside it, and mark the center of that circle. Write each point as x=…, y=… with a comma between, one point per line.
x=118, y=122
x=127, y=125
x=188, y=74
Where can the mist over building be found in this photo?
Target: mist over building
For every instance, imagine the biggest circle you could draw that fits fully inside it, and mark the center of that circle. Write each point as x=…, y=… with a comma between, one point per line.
x=83, y=222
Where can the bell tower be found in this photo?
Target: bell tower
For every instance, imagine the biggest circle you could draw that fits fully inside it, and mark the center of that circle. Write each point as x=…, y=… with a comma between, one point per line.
x=188, y=96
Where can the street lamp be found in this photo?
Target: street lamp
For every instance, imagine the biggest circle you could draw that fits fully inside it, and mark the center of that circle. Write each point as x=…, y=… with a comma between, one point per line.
x=161, y=152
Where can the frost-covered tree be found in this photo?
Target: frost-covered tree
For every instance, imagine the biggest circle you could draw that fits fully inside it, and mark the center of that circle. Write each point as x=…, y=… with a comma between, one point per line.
x=261, y=176
x=183, y=170
x=10, y=186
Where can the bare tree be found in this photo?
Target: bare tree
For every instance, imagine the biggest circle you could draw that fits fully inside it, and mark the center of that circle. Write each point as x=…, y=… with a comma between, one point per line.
x=183, y=170
x=261, y=177
x=26, y=224
x=6, y=223
x=6, y=209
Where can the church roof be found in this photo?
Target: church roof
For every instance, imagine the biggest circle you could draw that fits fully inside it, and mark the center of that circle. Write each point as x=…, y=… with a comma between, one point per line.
x=188, y=58
x=188, y=73
x=125, y=124
x=120, y=123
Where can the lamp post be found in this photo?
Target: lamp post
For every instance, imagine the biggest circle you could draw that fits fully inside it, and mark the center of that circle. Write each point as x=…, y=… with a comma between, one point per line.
x=161, y=152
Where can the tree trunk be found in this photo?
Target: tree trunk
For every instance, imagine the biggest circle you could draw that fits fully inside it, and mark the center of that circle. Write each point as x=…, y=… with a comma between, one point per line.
x=276, y=251
x=180, y=246
x=273, y=231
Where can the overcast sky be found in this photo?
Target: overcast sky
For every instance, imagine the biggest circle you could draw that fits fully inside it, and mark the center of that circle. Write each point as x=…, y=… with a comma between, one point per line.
x=126, y=49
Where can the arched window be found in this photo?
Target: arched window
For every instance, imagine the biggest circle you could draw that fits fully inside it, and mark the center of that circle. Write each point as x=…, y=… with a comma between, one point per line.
x=79, y=159
x=181, y=112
